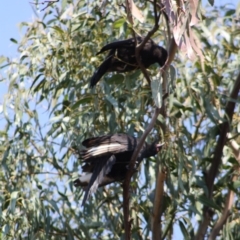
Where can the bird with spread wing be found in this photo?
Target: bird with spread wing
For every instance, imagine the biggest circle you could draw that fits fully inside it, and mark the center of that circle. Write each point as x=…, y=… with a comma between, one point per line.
x=106, y=160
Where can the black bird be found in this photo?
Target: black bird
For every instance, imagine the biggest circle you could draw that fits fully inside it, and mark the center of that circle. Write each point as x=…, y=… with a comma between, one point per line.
x=121, y=57
x=106, y=160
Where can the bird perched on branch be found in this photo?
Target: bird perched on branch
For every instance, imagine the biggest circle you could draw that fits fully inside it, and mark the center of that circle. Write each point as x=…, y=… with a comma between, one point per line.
x=106, y=160
x=121, y=57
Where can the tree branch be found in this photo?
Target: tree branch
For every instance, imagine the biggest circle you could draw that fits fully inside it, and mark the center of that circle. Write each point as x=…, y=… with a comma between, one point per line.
x=129, y=11
x=126, y=183
x=216, y=162
x=140, y=46
x=157, y=205
x=157, y=213
x=224, y=128
x=230, y=197
x=173, y=48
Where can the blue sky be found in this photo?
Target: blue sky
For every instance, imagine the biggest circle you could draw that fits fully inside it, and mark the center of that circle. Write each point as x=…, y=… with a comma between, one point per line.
x=12, y=12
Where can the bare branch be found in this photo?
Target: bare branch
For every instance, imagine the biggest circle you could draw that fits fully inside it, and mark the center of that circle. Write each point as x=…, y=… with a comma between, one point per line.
x=226, y=213
x=129, y=11
x=130, y=172
x=157, y=206
x=126, y=183
x=224, y=128
x=126, y=196
x=230, y=197
x=134, y=157
x=171, y=54
x=216, y=162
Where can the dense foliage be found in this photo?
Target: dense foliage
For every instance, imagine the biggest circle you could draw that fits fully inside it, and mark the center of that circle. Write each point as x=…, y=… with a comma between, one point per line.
x=49, y=109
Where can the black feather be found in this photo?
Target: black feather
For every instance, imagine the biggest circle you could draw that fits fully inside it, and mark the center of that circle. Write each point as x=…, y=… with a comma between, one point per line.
x=121, y=57
x=106, y=160
x=102, y=167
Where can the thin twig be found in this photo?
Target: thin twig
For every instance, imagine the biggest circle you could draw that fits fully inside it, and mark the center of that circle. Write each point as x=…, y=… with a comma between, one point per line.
x=49, y=3
x=197, y=126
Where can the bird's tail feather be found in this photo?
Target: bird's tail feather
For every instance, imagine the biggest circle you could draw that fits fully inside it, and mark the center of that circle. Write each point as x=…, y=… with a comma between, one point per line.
x=103, y=68
x=102, y=168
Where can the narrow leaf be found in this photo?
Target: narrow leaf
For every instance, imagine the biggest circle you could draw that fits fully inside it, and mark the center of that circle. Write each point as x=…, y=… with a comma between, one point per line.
x=156, y=86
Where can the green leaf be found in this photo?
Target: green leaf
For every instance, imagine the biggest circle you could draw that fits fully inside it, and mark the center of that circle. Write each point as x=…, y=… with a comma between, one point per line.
x=207, y=202
x=115, y=79
x=54, y=205
x=35, y=80
x=177, y=104
x=2, y=59
x=235, y=185
x=84, y=100
x=58, y=29
x=5, y=229
x=172, y=75
x=112, y=101
x=13, y=201
x=119, y=23
x=156, y=87
x=184, y=230
x=64, y=3
x=230, y=12
x=13, y=40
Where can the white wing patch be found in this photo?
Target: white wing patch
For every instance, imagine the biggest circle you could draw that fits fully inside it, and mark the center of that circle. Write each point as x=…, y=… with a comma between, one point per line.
x=95, y=151
x=85, y=178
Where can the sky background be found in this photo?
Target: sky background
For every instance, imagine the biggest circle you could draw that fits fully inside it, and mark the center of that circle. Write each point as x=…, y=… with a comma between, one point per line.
x=12, y=12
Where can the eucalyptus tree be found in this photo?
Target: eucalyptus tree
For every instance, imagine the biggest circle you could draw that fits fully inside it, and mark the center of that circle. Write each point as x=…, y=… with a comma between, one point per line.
x=190, y=189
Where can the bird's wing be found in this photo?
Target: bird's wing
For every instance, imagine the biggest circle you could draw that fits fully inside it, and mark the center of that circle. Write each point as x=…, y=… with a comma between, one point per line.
x=101, y=169
x=94, y=141
x=107, y=145
x=128, y=43
x=106, y=139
